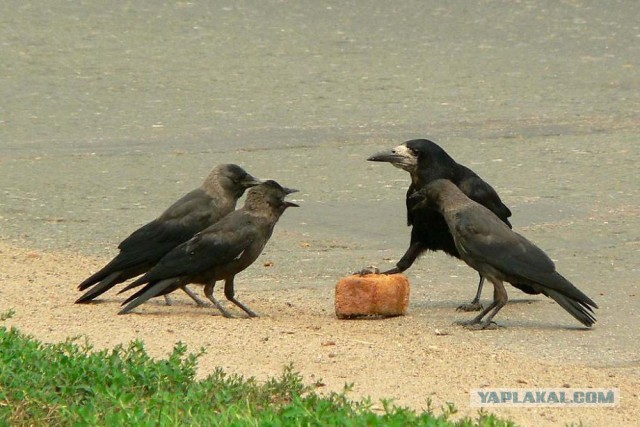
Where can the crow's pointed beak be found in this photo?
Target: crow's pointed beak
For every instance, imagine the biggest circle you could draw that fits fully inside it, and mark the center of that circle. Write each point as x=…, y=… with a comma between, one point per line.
x=251, y=181
x=400, y=157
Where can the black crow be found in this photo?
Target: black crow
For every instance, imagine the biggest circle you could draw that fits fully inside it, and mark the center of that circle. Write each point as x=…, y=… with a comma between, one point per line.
x=218, y=252
x=499, y=254
x=427, y=161
x=202, y=207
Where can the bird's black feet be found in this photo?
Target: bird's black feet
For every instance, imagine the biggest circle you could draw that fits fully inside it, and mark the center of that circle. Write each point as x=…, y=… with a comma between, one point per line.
x=472, y=306
x=367, y=270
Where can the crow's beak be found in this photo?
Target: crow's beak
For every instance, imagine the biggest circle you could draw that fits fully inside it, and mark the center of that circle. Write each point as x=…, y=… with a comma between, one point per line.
x=288, y=203
x=400, y=157
x=389, y=156
x=251, y=181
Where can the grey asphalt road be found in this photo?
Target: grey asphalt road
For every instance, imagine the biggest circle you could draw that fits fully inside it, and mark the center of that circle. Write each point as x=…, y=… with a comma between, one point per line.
x=110, y=112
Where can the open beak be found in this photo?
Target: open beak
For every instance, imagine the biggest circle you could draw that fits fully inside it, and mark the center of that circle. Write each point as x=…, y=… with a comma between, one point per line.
x=288, y=203
x=400, y=157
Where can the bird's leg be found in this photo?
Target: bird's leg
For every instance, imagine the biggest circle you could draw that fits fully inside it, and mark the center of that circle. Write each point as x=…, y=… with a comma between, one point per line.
x=478, y=319
x=193, y=296
x=474, y=305
x=500, y=299
x=208, y=292
x=167, y=300
x=229, y=294
x=407, y=260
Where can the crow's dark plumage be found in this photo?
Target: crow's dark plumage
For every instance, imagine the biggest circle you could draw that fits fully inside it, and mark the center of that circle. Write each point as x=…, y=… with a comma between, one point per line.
x=426, y=161
x=200, y=208
x=218, y=252
x=499, y=254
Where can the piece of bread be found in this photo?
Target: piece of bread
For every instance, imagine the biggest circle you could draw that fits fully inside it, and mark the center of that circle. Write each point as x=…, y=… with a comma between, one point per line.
x=372, y=295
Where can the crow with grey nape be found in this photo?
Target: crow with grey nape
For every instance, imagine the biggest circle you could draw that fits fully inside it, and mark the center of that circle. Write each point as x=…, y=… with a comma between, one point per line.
x=426, y=161
x=499, y=254
x=218, y=252
x=198, y=209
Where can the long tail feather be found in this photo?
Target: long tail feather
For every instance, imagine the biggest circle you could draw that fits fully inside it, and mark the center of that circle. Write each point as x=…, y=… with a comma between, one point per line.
x=578, y=309
x=101, y=287
x=141, y=281
x=146, y=293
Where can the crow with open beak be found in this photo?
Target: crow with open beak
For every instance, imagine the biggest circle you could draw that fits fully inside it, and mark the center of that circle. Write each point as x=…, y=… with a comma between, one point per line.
x=195, y=211
x=219, y=252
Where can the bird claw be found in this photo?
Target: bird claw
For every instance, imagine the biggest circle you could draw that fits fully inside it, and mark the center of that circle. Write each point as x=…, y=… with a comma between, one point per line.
x=472, y=306
x=228, y=314
x=367, y=270
x=474, y=325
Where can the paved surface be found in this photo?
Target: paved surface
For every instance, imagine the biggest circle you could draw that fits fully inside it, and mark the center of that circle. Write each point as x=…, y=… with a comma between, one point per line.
x=110, y=113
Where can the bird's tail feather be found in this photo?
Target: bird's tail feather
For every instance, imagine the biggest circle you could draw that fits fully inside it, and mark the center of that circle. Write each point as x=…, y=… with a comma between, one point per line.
x=142, y=280
x=101, y=287
x=578, y=308
x=124, y=261
x=95, y=277
x=146, y=293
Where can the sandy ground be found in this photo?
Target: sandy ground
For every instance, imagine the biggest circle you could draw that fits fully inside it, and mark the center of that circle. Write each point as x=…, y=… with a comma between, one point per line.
x=410, y=359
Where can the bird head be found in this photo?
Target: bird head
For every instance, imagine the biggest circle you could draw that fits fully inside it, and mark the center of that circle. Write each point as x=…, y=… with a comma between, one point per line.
x=423, y=159
x=234, y=179
x=273, y=194
x=401, y=157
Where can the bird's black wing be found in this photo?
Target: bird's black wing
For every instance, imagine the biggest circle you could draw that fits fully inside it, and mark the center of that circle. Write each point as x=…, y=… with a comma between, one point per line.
x=411, y=203
x=189, y=215
x=217, y=245
x=479, y=191
x=191, y=212
x=484, y=238
x=145, y=246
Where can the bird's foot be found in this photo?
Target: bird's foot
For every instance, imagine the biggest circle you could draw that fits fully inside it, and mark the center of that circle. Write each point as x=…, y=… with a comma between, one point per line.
x=227, y=314
x=474, y=325
x=368, y=270
x=472, y=306
x=167, y=300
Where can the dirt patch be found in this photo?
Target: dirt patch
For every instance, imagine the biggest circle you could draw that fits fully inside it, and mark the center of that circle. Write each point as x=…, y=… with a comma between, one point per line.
x=410, y=359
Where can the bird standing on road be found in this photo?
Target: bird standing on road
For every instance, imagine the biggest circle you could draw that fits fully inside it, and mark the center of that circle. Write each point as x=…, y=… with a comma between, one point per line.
x=499, y=254
x=426, y=161
x=218, y=252
x=200, y=208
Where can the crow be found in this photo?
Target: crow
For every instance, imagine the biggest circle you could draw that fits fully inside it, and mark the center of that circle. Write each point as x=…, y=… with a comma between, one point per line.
x=198, y=209
x=219, y=252
x=489, y=246
x=426, y=161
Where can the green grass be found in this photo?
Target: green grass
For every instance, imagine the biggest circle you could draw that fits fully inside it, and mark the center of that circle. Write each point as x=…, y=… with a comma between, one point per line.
x=71, y=384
